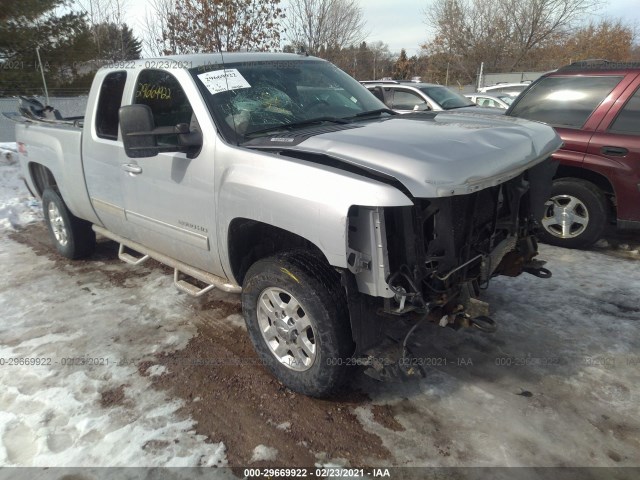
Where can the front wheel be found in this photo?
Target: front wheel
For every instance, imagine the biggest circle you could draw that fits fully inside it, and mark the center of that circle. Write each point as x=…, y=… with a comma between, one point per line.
x=296, y=315
x=575, y=215
x=72, y=236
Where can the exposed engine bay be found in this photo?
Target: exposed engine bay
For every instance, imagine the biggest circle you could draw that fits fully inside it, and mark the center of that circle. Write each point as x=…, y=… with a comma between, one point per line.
x=434, y=258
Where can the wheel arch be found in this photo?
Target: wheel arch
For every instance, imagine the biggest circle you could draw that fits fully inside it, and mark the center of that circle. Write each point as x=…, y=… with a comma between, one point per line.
x=250, y=240
x=41, y=177
x=565, y=172
x=599, y=180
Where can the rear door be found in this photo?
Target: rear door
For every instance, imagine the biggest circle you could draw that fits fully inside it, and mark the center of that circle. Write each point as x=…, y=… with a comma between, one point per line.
x=614, y=150
x=101, y=149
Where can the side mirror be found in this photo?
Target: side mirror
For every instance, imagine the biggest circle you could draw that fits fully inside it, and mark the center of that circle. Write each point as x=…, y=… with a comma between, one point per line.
x=137, y=126
x=186, y=137
x=140, y=134
x=423, y=107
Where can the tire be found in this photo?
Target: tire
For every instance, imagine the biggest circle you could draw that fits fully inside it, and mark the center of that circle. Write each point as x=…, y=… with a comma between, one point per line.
x=72, y=236
x=575, y=214
x=308, y=349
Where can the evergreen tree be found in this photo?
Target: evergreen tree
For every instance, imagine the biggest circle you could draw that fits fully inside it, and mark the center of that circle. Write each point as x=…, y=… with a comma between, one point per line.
x=403, y=66
x=29, y=24
x=115, y=42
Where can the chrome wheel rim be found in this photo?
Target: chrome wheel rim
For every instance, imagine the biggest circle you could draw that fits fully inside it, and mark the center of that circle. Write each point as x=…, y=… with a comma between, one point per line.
x=287, y=329
x=565, y=216
x=57, y=225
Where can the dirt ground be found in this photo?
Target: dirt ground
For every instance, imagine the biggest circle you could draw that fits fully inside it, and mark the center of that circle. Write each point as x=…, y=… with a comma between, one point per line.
x=226, y=388
x=524, y=396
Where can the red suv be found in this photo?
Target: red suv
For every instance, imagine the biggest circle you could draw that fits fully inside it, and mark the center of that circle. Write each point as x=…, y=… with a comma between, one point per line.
x=595, y=107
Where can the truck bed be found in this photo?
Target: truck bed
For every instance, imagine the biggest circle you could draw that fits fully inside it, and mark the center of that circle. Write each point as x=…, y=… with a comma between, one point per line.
x=56, y=145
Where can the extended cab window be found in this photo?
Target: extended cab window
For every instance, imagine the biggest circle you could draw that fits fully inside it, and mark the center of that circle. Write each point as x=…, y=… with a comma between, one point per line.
x=166, y=98
x=109, y=104
x=564, y=101
x=628, y=120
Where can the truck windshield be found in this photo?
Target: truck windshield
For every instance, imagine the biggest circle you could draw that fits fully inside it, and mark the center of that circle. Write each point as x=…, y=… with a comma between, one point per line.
x=250, y=99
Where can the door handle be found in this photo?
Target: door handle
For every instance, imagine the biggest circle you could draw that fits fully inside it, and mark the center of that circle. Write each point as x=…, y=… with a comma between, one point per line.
x=132, y=168
x=614, y=151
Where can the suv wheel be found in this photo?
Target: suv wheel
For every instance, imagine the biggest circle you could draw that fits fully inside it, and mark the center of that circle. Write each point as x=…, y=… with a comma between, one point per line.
x=73, y=237
x=296, y=314
x=575, y=215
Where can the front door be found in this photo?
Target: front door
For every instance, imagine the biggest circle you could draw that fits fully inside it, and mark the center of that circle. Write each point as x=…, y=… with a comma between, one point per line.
x=170, y=198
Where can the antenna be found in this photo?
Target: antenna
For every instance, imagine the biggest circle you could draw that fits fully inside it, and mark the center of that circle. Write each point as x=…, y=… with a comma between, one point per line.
x=46, y=92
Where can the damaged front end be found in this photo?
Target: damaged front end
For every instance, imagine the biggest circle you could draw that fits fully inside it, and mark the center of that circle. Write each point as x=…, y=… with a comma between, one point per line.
x=434, y=258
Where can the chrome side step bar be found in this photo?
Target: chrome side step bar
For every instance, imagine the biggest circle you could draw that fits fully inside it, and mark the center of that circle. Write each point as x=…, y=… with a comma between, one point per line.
x=212, y=281
x=130, y=259
x=189, y=288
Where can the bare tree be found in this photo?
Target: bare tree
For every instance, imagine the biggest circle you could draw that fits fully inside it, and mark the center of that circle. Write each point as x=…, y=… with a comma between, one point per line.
x=536, y=21
x=155, y=25
x=223, y=25
x=610, y=39
x=502, y=33
x=102, y=14
x=324, y=24
x=381, y=59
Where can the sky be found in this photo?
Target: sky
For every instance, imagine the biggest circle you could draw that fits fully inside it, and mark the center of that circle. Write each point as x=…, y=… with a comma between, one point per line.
x=401, y=23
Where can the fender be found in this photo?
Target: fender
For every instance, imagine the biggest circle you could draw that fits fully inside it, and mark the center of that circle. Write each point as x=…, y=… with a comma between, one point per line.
x=298, y=196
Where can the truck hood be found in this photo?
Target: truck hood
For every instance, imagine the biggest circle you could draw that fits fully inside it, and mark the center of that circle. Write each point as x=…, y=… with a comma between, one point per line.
x=439, y=155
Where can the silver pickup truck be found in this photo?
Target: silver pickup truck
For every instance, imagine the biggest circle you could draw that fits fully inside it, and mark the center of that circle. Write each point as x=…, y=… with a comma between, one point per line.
x=280, y=177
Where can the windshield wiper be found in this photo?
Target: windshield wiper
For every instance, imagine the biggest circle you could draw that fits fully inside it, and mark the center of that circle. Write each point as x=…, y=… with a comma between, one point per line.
x=303, y=123
x=374, y=112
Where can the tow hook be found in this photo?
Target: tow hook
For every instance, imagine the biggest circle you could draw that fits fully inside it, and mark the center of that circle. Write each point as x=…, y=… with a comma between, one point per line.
x=484, y=323
x=536, y=267
x=539, y=272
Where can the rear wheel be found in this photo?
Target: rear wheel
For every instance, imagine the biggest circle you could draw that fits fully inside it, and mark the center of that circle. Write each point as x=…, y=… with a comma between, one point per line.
x=73, y=237
x=575, y=215
x=296, y=315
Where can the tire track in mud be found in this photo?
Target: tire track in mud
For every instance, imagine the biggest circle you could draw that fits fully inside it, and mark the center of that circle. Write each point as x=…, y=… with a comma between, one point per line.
x=236, y=400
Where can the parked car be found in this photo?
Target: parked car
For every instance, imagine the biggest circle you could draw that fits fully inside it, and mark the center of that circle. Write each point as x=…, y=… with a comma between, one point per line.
x=281, y=177
x=595, y=108
x=409, y=96
x=511, y=89
x=491, y=100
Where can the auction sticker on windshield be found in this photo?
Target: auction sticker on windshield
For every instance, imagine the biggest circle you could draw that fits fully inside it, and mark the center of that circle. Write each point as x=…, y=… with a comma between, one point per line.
x=223, y=80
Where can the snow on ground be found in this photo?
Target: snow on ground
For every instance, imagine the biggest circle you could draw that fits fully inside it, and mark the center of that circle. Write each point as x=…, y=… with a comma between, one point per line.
x=263, y=453
x=88, y=405
x=71, y=392
x=17, y=206
x=557, y=385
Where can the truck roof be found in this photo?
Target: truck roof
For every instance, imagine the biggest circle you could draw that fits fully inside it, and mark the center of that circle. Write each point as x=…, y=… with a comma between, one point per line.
x=200, y=59
x=599, y=65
